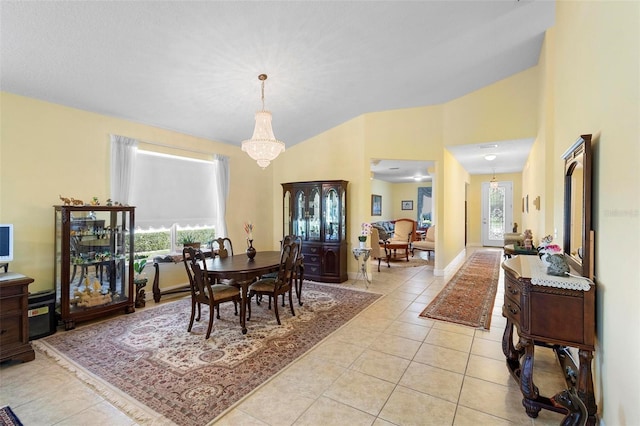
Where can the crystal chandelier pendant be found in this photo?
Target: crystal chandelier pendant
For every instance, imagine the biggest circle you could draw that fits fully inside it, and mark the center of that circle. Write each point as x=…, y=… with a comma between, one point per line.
x=263, y=146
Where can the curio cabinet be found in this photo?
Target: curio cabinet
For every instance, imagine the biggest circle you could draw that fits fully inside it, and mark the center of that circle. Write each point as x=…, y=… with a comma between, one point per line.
x=317, y=212
x=93, y=261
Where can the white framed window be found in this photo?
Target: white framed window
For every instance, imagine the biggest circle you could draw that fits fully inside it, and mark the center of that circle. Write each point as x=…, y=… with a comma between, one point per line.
x=173, y=194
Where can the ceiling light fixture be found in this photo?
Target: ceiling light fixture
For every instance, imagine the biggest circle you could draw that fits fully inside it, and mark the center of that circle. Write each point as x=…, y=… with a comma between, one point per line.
x=263, y=146
x=493, y=183
x=490, y=157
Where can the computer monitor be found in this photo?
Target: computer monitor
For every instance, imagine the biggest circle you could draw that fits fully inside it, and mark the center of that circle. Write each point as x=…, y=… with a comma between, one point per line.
x=6, y=242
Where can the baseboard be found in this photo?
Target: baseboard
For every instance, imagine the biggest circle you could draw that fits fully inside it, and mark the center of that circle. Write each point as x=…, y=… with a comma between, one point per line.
x=453, y=265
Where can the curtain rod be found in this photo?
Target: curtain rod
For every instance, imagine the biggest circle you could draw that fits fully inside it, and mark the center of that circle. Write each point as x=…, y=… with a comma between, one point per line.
x=174, y=147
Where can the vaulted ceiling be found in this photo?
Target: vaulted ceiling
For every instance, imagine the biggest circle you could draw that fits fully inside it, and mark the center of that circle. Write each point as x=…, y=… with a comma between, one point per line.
x=193, y=67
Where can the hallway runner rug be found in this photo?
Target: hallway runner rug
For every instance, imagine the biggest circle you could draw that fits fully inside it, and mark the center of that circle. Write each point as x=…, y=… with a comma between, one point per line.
x=148, y=357
x=468, y=297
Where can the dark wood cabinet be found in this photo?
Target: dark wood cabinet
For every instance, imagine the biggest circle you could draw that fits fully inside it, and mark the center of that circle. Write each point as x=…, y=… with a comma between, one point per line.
x=14, y=323
x=560, y=318
x=93, y=270
x=317, y=212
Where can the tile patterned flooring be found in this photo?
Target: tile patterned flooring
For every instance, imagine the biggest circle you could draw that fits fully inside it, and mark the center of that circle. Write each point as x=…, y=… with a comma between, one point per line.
x=387, y=366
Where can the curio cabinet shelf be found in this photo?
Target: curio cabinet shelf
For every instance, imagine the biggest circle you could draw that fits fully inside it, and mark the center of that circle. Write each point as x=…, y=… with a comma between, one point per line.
x=93, y=261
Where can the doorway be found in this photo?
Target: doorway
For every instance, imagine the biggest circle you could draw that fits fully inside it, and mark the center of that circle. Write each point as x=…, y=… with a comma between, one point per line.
x=497, y=213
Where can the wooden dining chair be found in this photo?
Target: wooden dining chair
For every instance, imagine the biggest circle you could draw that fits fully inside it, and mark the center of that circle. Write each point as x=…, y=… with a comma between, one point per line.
x=203, y=291
x=281, y=284
x=298, y=277
x=225, y=249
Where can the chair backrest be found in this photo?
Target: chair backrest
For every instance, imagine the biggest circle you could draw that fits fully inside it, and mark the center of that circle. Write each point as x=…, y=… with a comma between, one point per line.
x=404, y=230
x=225, y=247
x=431, y=234
x=291, y=238
x=197, y=272
x=376, y=250
x=288, y=260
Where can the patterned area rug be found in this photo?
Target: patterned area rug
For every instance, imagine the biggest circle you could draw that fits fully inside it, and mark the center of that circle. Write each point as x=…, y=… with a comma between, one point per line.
x=8, y=417
x=151, y=358
x=469, y=296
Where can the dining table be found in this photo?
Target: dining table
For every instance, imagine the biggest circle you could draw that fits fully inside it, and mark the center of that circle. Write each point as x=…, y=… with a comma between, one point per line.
x=243, y=271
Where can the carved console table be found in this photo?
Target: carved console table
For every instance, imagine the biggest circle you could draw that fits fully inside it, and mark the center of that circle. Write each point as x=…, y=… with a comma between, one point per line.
x=559, y=316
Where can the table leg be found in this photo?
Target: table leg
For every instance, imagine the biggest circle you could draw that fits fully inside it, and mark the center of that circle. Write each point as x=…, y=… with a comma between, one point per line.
x=244, y=288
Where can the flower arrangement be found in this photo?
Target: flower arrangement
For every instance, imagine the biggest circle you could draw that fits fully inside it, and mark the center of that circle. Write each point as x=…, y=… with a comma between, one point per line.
x=546, y=241
x=365, y=230
x=248, y=228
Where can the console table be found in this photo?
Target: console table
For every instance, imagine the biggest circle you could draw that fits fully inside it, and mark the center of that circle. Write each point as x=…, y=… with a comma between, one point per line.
x=170, y=258
x=14, y=323
x=362, y=255
x=554, y=312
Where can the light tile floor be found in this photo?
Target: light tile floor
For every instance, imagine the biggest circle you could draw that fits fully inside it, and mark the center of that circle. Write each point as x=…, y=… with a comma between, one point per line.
x=387, y=366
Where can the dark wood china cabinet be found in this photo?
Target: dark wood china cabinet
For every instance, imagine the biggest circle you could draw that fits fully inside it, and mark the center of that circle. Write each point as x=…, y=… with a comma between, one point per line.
x=316, y=211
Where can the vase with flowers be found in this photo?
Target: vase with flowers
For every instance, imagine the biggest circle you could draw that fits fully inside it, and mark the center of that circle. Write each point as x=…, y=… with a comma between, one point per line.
x=365, y=230
x=248, y=228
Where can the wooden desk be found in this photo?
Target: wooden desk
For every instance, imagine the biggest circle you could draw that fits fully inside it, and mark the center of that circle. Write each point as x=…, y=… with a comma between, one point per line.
x=239, y=268
x=14, y=323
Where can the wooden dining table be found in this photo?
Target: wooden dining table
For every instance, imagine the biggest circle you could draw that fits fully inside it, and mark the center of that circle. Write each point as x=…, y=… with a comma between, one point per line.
x=243, y=270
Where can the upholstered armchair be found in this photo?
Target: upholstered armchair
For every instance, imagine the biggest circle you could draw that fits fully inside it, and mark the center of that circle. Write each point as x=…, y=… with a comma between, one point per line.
x=429, y=242
x=378, y=248
x=404, y=230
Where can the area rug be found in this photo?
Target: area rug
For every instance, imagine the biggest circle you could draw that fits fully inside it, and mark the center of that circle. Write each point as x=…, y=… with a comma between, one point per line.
x=469, y=295
x=149, y=357
x=8, y=417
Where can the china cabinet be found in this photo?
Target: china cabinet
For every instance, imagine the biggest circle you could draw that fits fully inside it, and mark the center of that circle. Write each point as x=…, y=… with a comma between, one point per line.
x=316, y=211
x=93, y=261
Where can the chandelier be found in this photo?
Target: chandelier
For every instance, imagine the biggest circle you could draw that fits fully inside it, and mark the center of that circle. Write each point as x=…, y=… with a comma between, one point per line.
x=493, y=183
x=263, y=146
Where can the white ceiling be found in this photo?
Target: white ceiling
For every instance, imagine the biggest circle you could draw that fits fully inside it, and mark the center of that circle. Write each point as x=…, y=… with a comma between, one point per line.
x=192, y=67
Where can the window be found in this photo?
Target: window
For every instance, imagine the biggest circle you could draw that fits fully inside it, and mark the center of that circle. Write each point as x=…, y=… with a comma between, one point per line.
x=173, y=194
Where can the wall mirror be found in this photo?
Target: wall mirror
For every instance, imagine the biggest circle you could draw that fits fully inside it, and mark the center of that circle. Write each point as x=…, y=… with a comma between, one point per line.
x=578, y=236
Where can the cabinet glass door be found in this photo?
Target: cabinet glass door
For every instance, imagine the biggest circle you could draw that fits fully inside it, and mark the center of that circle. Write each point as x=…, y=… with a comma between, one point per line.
x=286, y=216
x=332, y=216
x=299, y=213
x=98, y=260
x=314, y=215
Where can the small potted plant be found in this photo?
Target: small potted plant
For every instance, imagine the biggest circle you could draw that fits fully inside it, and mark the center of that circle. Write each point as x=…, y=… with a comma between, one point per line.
x=188, y=239
x=140, y=279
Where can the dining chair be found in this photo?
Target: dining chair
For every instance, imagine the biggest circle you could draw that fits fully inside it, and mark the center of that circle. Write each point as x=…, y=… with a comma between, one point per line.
x=379, y=248
x=225, y=249
x=202, y=291
x=298, y=277
x=282, y=283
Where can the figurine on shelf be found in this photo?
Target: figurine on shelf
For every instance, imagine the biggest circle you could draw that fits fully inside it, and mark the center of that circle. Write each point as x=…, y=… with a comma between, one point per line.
x=95, y=201
x=77, y=202
x=65, y=201
x=109, y=202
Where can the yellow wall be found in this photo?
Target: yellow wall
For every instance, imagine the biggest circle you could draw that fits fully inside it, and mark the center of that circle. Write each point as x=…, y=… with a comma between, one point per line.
x=49, y=150
x=596, y=90
x=502, y=111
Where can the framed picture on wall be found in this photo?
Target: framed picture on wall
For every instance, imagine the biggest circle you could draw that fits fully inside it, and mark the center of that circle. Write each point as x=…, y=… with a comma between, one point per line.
x=407, y=205
x=376, y=205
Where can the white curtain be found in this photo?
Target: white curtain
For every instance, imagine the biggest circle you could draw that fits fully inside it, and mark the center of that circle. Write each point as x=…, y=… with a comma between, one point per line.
x=221, y=181
x=170, y=190
x=123, y=159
